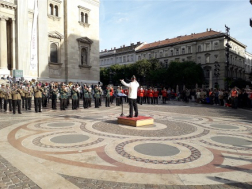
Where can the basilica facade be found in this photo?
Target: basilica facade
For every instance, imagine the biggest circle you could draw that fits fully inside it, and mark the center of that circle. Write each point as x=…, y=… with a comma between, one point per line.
x=50, y=40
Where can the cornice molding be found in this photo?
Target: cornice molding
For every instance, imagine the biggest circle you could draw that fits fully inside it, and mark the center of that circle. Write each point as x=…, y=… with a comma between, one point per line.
x=55, y=34
x=84, y=8
x=54, y=17
x=85, y=40
x=7, y=5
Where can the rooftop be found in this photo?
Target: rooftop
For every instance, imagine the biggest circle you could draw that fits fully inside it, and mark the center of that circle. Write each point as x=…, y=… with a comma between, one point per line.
x=180, y=39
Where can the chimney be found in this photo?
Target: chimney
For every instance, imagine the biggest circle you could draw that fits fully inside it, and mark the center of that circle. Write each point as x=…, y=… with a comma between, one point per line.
x=131, y=44
x=105, y=50
x=207, y=29
x=138, y=43
x=210, y=29
x=123, y=45
x=114, y=48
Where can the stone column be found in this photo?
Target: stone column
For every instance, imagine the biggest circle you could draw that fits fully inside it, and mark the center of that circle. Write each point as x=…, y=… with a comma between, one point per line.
x=3, y=47
x=13, y=44
x=210, y=79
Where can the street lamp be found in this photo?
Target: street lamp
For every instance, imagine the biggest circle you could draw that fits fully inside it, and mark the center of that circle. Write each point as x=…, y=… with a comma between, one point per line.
x=227, y=36
x=216, y=72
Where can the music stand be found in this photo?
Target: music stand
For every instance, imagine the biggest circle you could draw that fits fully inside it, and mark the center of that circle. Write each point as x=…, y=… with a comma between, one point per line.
x=121, y=95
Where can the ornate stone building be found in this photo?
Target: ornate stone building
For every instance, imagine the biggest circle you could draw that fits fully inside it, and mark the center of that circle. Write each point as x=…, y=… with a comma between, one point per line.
x=206, y=48
x=67, y=39
x=122, y=55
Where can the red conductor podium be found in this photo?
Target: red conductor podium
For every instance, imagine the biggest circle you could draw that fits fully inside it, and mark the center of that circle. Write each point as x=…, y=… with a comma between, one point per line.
x=135, y=121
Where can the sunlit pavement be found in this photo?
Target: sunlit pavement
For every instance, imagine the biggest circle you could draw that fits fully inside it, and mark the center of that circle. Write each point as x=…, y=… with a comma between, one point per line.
x=189, y=146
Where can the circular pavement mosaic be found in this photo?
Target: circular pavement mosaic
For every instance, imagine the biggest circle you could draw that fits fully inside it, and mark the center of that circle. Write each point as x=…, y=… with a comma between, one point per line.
x=232, y=141
x=155, y=149
x=172, y=129
x=68, y=139
x=60, y=124
x=224, y=126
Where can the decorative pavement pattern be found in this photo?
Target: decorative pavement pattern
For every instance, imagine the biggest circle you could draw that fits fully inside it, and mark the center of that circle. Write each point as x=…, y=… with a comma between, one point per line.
x=189, y=146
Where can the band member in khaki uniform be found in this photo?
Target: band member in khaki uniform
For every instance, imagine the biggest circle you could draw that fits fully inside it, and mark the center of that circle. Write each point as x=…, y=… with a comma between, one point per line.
x=8, y=99
x=16, y=99
x=1, y=95
x=38, y=98
x=28, y=96
x=54, y=92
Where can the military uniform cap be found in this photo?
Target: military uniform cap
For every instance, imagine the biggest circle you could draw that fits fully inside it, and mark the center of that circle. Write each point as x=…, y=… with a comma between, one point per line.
x=7, y=85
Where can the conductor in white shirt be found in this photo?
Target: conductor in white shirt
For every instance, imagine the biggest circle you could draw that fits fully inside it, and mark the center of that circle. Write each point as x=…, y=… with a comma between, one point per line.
x=132, y=96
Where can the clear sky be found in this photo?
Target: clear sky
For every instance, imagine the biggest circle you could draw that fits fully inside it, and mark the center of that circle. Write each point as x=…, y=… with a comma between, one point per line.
x=128, y=21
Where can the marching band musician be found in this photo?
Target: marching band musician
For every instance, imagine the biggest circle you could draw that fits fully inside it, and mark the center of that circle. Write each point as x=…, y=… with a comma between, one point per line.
x=90, y=95
x=74, y=97
x=1, y=95
x=54, y=93
x=63, y=97
x=85, y=97
x=16, y=99
x=28, y=96
x=7, y=99
x=38, y=98
x=44, y=96
x=107, y=102
x=96, y=96
x=101, y=94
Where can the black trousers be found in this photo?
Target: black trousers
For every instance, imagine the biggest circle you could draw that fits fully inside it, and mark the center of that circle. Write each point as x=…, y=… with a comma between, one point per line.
x=74, y=104
x=23, y=101
x=37, y=103
x=16, y=103
x=140, y=100
x=151, y=100
x=63, y=103
x=44, y=101
x=85, y=103
x=164, y=99
x=28, y=103
x=133, y=104
x=54, y=102
x=96, y=102
x=155, y=100
x=6, y=102
x=1, y=103
x=107, y=102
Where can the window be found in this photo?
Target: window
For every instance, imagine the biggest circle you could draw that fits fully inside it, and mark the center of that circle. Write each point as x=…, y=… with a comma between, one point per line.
x=51, y=9
x=216, y=45
x=171, y=52
x=208, y=47
x=207, y=58
x=82, y=17
x=199, y=60
x=128, y=58
x=189, y=50
x=149, y=56
x=83, y=56
x=132, y=58
x=139, y=57
x=199, y=48
x=166, y=52
x=86, y=18
x=124, y=58
x=53, y=53
x=56, y=10
x=177, y=51
x=161, y=54
x=156, y=54
x=183, y=50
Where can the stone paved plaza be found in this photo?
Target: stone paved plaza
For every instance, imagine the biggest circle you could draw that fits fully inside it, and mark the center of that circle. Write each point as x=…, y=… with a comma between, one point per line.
x=189, y=146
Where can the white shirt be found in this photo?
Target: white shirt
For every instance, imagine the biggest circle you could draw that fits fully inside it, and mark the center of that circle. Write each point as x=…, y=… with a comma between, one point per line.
x=133, y=86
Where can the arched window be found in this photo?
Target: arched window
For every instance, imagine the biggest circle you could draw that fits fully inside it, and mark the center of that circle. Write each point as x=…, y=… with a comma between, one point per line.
x=53, y=53
x=183, y=50
x=86, y=18
x=82, y=17
x=83, y=56
x=56, y=10
x=51, y=9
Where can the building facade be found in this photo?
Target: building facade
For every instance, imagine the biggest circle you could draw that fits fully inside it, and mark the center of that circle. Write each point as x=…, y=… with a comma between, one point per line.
x=123, y=55
x=206, y=48
x=67, y=39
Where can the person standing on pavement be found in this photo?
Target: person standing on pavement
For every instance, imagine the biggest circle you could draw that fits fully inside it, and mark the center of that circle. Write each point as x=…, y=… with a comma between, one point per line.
x=38, y=98
x=132, y=96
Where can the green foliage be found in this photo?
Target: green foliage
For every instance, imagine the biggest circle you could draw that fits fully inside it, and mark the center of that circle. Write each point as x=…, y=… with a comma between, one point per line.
x=150, y=72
